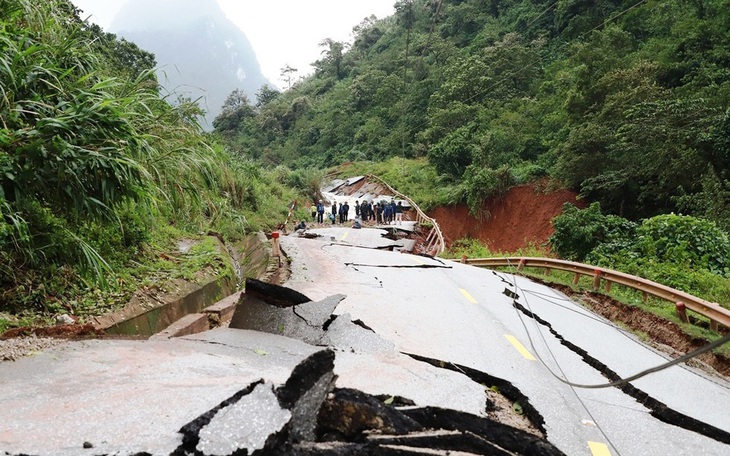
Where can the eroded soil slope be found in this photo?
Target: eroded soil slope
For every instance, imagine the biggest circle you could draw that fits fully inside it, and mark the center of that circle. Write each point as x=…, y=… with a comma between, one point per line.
x=520, y=217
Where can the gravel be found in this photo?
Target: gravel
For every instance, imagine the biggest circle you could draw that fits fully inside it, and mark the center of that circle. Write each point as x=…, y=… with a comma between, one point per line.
x=13, y=349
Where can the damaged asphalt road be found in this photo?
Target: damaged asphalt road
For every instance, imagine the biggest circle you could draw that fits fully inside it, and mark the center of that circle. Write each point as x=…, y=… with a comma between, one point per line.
x=344, y=390
x=459, y=316
x=365, y=351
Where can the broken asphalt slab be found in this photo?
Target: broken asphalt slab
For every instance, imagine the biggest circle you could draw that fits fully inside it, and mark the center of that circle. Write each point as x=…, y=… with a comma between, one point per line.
x=236, y=391
x=131, y=396
x=369, y=238
x=459, y=314
x=278, y=310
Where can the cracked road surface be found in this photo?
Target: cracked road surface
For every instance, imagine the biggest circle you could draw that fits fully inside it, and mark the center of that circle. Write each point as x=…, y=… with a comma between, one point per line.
x=366, y=351
x=462, y=315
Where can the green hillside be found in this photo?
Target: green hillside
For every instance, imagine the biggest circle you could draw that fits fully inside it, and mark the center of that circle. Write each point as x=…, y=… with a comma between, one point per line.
x=450, y=101
x=100, y=175
x=624, y=101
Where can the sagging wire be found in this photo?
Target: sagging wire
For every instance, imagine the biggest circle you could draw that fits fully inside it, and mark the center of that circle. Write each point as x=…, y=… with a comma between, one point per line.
x=624, y=332
x=547, y=298
x=542, y=361
x=622, y=381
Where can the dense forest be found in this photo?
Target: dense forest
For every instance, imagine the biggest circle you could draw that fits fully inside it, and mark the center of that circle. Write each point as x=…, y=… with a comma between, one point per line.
x=623, y=101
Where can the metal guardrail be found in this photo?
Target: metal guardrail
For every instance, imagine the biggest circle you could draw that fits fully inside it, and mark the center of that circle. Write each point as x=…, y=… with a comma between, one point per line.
x=711, y=310
x=435, y=238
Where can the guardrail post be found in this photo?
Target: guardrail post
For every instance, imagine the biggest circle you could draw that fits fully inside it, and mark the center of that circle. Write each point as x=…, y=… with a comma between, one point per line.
x=714, y=326
x=607, y=286
x=597, y=279
x=576, y=278
x=547, y=271
x=275, y=248
x=430, y=234
x=682, y=312
x=521, y=264
x=644, y=295
x=463, y=259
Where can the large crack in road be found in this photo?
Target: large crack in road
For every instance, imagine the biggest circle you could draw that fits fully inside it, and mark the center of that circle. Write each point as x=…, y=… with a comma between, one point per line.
x=321, y=418
x=658, y=409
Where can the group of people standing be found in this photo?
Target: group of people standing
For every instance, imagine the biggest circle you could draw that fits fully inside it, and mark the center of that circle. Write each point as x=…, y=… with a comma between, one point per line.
x=381, y=212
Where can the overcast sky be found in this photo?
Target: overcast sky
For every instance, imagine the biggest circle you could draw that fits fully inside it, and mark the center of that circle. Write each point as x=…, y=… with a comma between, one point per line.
x=282, y=32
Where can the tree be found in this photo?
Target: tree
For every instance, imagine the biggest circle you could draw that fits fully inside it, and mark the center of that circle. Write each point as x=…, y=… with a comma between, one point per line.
x=287, y=75
x=266, y=95
x=331, y=64
x=580, y=231
x=236, y=109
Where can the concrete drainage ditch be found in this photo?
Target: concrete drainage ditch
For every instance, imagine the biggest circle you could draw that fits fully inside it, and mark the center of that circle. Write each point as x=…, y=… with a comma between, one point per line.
x=192, y=307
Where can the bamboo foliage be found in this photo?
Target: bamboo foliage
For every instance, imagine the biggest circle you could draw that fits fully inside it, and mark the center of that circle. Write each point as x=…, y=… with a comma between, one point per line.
x=77, y=143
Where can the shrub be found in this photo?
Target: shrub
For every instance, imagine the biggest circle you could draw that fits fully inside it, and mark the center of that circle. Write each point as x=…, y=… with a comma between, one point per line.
x=482, y=183
x=578, y=232
x=693, y=243
x=472, y=248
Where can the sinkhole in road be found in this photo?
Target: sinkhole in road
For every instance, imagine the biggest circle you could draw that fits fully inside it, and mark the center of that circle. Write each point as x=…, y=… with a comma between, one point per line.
x=350, y=421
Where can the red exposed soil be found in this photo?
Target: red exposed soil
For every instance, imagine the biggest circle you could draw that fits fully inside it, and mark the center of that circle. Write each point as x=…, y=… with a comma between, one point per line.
x=71, y=331
x=514, y=220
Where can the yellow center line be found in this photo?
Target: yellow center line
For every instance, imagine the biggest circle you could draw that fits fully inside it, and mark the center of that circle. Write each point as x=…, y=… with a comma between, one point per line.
x=469, y=297
x=345, y=235
x=418, y=259
x=520, y=348
x=599, y=449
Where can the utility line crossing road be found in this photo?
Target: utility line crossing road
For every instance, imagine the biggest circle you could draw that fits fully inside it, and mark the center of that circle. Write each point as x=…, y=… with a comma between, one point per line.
x=519, y=331
x=430, y=336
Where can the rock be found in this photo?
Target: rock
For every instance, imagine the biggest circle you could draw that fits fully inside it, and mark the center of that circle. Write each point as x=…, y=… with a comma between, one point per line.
x=64, y=319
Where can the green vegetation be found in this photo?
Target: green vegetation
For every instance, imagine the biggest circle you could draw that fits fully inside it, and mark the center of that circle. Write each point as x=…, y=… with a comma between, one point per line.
x=99, y=175
x=683, y=252
x=449, y=101
x=473, y=248
x=626, y=103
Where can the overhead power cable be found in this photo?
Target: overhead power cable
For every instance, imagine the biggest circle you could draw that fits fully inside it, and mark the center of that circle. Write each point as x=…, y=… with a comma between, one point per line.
x=622, y=381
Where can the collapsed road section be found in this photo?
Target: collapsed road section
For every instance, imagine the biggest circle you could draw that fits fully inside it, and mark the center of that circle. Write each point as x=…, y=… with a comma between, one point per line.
x=287, y=377
x=367, y=359
x=336, y=420
x=457, y=318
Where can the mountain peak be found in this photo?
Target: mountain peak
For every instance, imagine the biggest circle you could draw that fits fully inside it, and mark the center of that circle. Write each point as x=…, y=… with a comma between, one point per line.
x=147, y=15
x=200, y=53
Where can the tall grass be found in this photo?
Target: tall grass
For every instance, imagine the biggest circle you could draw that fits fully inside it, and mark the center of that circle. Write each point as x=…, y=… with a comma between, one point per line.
x=93, y=162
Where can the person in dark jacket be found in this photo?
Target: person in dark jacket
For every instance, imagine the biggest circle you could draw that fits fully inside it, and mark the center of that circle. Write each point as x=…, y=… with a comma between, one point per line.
x=334, y=209
x=399, y=213
x=320, y=212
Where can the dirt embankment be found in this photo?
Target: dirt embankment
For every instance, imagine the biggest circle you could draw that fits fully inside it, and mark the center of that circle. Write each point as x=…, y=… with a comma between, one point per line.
x=512, y=221
x=523, y=216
